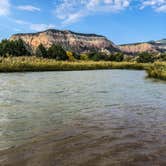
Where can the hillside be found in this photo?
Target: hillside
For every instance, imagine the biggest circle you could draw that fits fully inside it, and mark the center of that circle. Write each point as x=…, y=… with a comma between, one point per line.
x=151, y=47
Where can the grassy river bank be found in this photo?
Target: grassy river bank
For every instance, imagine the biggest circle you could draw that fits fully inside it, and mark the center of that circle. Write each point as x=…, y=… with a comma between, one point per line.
x=34, y=64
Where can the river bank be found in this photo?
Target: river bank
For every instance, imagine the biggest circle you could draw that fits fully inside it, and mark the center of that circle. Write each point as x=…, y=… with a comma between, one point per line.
x=23, y=64
x=157, y=70
x=33, y=64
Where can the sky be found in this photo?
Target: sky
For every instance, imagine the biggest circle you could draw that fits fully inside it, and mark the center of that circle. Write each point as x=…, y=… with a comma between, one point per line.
x=121, y=21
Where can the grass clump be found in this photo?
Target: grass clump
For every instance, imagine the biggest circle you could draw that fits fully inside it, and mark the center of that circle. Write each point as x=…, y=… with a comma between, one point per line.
x=157, y=70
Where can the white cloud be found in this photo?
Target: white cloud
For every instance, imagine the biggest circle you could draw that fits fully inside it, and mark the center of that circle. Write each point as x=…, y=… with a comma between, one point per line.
x=29, y=8
x=41, y=27
x=161, y=8
x=70, y=11
x=21, y=22
x=4, y=7
x=34, y=27
x=157, y=5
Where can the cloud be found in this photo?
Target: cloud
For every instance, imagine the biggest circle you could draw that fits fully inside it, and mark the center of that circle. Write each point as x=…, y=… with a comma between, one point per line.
x=21, y=22
x=157, y=5
x=4, y=7
x=34, y=27
x=70, y=11
x=29, y=8
x=161, y=8
x=41, y=27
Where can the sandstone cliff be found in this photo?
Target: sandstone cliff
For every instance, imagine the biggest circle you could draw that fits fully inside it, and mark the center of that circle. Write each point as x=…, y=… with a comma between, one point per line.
x=137, y=48
x=69, y=40
x=152, y=46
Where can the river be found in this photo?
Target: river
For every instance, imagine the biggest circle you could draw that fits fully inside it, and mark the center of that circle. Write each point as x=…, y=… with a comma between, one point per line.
x=100, y=117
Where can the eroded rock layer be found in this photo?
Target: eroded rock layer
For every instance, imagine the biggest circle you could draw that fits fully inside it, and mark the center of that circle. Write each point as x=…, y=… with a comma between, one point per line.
x=69, y=40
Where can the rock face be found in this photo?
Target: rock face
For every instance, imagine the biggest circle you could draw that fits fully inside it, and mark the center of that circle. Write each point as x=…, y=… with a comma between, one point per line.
x=69, y=40
x=160, y=44
x=137, y=48
x=152, y=47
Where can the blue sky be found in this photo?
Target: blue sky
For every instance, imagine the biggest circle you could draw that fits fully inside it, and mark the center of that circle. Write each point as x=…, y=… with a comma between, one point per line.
x=122, y=21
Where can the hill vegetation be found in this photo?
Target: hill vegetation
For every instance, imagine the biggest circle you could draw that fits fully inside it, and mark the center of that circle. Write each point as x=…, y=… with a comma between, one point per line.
x=19, y=48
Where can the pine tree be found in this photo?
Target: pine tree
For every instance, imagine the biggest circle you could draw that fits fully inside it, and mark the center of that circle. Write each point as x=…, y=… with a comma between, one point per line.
x=41, y=51
x=57, y=52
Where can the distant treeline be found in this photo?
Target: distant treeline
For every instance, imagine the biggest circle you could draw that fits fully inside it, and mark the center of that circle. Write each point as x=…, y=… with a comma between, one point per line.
x=19, y=48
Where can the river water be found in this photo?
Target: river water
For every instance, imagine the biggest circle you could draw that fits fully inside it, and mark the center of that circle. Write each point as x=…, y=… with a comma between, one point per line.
x=101, y=117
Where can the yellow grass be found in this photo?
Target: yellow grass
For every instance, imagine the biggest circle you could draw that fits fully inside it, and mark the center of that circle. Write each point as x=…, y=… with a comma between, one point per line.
x=21, y=64
x=157, y=70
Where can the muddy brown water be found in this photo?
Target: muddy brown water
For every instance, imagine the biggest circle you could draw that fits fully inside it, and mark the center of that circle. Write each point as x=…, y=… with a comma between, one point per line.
x=86, y=118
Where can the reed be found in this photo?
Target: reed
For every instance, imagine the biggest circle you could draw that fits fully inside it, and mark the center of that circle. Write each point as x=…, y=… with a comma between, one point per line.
x=157, y=70
x=32, y=63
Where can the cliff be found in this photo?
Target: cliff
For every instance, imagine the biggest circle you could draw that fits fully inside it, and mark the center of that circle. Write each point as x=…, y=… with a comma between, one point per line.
x=152, y=46
x=69, y=40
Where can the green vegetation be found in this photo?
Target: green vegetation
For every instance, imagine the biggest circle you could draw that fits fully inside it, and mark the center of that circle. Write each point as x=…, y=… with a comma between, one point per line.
x=41, y=51
x=16, y=57
x=162, y=57
x=13, y=48
x=19, y=48
x=32, y=63
x=157, y=70
x=57, y=52
x=145, y=57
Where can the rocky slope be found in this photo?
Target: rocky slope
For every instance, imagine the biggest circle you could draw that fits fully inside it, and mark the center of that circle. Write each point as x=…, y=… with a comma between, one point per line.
x=152, y=46
x=69, y=40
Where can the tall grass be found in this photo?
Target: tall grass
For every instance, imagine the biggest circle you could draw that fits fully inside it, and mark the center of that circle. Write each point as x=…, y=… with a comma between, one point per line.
x=157, y=70
x=22, y=64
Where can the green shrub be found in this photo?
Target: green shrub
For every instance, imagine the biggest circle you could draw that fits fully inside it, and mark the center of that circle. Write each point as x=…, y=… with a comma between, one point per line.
x=84, y=57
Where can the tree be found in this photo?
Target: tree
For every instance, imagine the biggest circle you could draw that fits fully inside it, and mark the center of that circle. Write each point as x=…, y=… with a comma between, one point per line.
x=20, y=48
x=13, y=48
x=94, y=56
x=57, y=52
x=97, y=56
x=163, y=56
x=41, y=51
x=70, y=56
x=145, y=57
x=118, y=57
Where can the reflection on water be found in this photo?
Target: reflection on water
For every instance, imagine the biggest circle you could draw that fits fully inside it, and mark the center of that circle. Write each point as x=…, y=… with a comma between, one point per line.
x=115, y=111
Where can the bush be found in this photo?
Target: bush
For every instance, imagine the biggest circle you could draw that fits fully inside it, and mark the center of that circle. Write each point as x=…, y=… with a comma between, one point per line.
x=76, y=56
x=57, y=52
x=84, y=57
x=41, y=51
